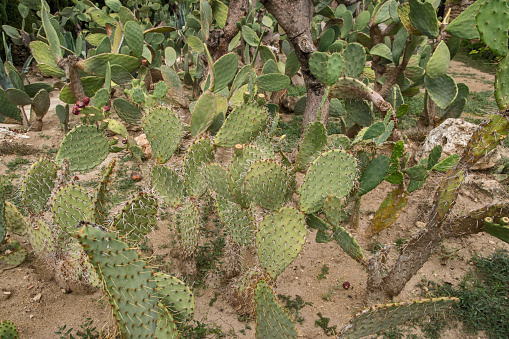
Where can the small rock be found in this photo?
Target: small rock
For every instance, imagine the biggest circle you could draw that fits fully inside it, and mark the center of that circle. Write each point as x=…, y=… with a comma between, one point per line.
x=31, y=316
x=289, y=103
x=63, y=291
x=420, y=224
x=142, y=141
x=37, y=297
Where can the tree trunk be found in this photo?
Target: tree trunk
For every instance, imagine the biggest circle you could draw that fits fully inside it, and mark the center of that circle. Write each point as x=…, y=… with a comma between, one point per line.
x=72, y=73
x=295, y=16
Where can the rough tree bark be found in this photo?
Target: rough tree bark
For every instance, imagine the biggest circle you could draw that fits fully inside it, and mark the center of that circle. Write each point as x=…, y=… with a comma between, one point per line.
x=72, y=73
x=295, y=16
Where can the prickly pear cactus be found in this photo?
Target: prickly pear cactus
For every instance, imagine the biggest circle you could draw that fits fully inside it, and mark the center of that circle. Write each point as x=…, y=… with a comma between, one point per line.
x=71, y=204
x=14, y=254
x=41, y=238
x=168, y=185
x=199, y=154
x=100, y=198
x=333, y=172
x=216, y=177
x=8, y=330
x=38, y=184
x=272, y=321
x=163, y=130
x=313, y=142
x=15, y=222
x=279, y=239
x=85, y=147
x=137, y=218
x=129, y=283
x=500, y=230
x=381, y=317
x=204, y=113
x=188, y=228
x=389, y=210
x=176, y=296
x=238, y=222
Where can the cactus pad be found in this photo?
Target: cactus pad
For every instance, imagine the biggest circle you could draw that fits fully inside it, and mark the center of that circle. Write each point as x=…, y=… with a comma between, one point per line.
x=166, y=328
x=381, y=317
x=237, y=221
x=492, y=21
x=188, y=228
x=41, y=237
x=334, y=211
x=8, y=330
x=176, y=296
x=326, y=68
x=15, y=222
x=199, y=154
x=313, y=142
x=389, y=210
x=85, y=147
x=272, y=321
x=38, y=184
x=225, y=69
x=127, y=111
x=71, y=204
x=355, y=59
x=502, y=84
x=374, y=174
x=97, y=64
x=216, y=177
x=163, y=130
x=243, y=124
x=348, y=243
x=168, y=185
x=333, y=172
x=137, y=218
x=100, y=208
x=204, y=113
x=280, y=238
x=442, y=90
x=127, y=279
x=14, y=255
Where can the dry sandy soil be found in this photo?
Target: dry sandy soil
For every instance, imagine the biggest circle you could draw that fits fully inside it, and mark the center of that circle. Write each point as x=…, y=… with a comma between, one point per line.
x=30, y=297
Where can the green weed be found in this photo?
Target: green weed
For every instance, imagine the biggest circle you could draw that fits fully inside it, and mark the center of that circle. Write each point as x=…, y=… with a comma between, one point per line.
x=324, y=273
x=87, y=331
x=294, y=306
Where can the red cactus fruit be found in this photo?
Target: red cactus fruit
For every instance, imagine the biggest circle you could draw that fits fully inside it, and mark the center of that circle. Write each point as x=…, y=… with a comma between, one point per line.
x=76, y=110
x=346, y=285
x=86, y=101
x=80, y=104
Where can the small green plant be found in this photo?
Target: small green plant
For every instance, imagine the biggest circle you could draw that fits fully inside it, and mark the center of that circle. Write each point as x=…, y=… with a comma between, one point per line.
x=330, y=292
x=294, y=306
x=400, y=243
x=201, y=330
x=325, y=271
x=324, y=324
x=87, y=331
x=16, y=162
x=447, y=254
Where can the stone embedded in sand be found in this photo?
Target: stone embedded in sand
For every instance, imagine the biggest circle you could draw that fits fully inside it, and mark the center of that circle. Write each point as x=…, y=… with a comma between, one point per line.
x=453, y=135
x=142, y=141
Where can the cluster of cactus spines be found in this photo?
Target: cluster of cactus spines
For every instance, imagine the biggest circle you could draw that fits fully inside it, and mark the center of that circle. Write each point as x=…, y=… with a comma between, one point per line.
x=266, y=184
x=84, y=147
x=500, y=230
x=333, y=172
x=238, y=222
x=243, y=124
x=176, y=296
x=188, y=227
x=166, y=327
x=313, y=142
x=38, y=184
x=71, y=204
x=280, y=238
x=137, y=218
x=199, y=154
x=8, y=330
x=128, y=281
x=127, y=111
x=168, y=185
x=15, y=222
x=164, y=130
x=100, y=198
x=382, y=317
x=389, y=210
x=204, y=113
x=272, y=321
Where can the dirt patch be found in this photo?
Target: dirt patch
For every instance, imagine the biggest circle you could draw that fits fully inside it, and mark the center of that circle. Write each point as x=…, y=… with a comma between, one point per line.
x=476, y=80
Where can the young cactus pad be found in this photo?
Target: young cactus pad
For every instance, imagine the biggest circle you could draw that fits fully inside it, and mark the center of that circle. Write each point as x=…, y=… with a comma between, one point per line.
x=333, y=172
x=15, y=222
x=176, y=296
x=127, y=279
x=199, y=154
x=138, y=217
x=71, y=204
x=272, y=321
x=163, y=130
x=85, y=147
x=38, y=184
x=279, y=239
x=188, y=228
x=167, y=184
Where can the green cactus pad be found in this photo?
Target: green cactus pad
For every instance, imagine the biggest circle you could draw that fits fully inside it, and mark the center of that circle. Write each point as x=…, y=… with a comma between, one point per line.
x=38, y=184
x=101, y=98
x=172, y=81
x=243, y=124
x=17, y=97
x=273, y=82
x=98, y=63
x=439, y=61
x=313, y=142
x=355, y=59
x=374, y=174
x=71, y=204
x=348, y=243
x=188, y=228
x=137, y=218
x=8, y=330
x=456, y=107
x=272, y=321
x=176, y=296
x=204, y=113
x=216, y=178
x=359, y=111
x=500, y=230
x=333, y=172
x=382, y=317
x=15, y=222
x=167, y=184
x=163, y=130
x=127, y=111
x=492, y=21
x=45, y=60
x=199, y=154
x=100, y=198
x=326, y=68
x=225, y=68
x=3, y=222
x=8, y=108
x=442, y=90
x=502, y=84
x=90, y=85
x=41, y=103
x=338, y=141
x=41, y=237
x=237, y=221
x=133, y=35
x=447, y=194
x=292, y=64
x=334, y=211
x=13, y=256
x=424, y=18
x=85, y=147
x=389, y=210
x=166, y=327
x=266, y=184
x=465, y=26
x=127, y=279
x=487, y=137
x=280, y=238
